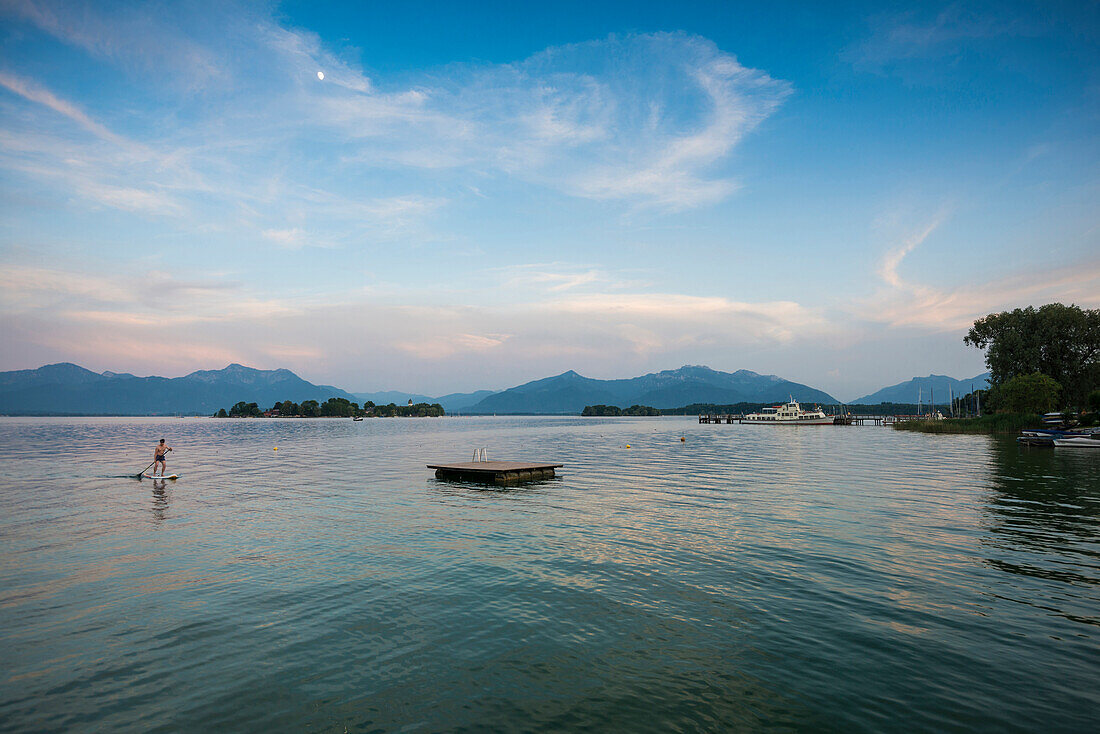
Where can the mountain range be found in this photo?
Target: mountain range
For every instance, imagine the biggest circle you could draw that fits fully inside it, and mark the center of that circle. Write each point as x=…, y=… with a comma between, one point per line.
x=570, y=392
x=924, y=388
x=68, y=389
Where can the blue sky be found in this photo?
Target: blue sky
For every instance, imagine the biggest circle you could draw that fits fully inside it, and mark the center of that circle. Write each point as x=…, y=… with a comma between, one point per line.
x=476, y=195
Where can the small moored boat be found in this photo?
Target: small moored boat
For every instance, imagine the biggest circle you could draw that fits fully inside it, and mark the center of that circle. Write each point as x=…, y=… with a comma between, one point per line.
x=1082, y=442
x=1030, y=440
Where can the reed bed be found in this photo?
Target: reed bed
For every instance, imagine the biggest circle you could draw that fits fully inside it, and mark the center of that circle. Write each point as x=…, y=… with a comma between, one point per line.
x=996, y=423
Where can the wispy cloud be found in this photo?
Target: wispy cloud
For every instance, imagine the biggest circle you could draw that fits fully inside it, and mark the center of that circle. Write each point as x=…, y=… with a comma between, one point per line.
x=645, y=120
x=679, y=317
x=131, y=299
x=905, y=302
x=381, y=333
x=36, y=93
x=140, y=37
x=955, y=309
x=888, y=270
x=293, y=237
x=108, y=169
x=446, y=346
x=900, y=37
x=555, y=277
x=25, y=288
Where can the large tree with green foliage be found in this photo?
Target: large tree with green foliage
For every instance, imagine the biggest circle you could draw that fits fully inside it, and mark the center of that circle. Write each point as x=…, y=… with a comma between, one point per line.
x=339, y=408
x=245, y=410
x=1034, y=393
x=1062, y=342
x=287, y=408
x=420, y=410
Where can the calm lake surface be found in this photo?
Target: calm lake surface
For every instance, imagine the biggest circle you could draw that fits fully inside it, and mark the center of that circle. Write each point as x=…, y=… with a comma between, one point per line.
x=748, y=578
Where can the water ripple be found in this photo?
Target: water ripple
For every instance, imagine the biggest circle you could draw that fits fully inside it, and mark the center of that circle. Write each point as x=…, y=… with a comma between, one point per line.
x=748, y=577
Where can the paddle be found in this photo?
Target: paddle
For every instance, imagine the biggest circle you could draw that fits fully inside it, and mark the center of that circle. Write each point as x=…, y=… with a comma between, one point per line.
x=141, y=474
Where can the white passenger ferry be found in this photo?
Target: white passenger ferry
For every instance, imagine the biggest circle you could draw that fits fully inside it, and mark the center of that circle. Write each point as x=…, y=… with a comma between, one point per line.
x=790, y=414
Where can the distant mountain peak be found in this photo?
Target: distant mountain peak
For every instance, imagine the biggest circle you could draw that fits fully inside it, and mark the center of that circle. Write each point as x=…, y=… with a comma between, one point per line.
x=59, y=371
x=569, y=392
x=62, y=368
x=924, y=388
x=567, y=375
x=690, y=369
x=70, y=389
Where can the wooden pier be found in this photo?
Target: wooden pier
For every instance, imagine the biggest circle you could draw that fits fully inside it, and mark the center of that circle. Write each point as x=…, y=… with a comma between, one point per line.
x=721, y=418
x=839, y=420
x=495, y=472
x=883, y=420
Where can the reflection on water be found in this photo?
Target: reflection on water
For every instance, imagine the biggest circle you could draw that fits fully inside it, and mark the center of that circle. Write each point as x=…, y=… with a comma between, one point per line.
x=1044, y=512
x=750, y=577
x=160, y=501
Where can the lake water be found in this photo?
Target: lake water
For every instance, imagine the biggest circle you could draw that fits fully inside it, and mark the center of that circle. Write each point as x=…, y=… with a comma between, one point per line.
x=748, y=578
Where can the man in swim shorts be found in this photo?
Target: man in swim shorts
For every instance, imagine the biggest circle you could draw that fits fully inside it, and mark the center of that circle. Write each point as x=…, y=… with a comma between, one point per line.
x=159, y=455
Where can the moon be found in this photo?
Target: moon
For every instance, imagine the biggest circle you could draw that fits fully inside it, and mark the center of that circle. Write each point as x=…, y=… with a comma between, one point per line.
x=321, y=75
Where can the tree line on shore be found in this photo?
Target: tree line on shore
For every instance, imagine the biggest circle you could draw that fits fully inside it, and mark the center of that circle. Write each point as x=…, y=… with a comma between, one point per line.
x=744, y=408
x=332, y=408
x=1041, y=359
x=614, y=410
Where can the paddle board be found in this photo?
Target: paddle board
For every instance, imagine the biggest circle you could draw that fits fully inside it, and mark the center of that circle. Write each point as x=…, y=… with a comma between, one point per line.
x=170, y=476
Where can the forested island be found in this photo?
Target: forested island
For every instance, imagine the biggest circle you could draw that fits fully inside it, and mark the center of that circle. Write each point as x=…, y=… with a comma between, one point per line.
x=614, y=410
x=332, y=408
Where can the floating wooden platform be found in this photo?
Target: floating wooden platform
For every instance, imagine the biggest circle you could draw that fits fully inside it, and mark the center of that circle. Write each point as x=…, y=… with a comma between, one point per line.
x=495, y=472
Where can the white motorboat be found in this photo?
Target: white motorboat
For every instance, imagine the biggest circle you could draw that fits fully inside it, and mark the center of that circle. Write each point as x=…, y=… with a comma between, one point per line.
x=1081, y=442
x=789, y=414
